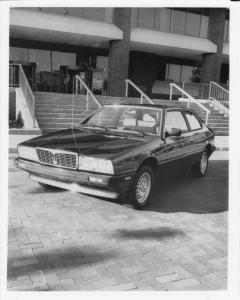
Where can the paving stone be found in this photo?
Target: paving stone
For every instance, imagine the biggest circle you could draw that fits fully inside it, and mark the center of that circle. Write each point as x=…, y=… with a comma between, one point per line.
x=186, y=283
x=63, y=241
x=168, y=278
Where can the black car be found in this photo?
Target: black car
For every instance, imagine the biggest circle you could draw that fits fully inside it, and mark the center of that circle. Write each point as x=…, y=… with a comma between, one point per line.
x=116, y=151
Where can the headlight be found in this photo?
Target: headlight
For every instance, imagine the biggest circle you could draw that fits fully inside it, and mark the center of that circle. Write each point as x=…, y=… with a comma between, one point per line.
x=95, y=164
x=27, y=152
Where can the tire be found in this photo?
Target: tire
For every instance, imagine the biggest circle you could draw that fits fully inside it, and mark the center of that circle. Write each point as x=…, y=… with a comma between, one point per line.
x=142, y=187
x=200, y=168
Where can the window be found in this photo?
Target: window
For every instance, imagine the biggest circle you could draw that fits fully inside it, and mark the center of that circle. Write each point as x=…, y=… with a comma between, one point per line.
x=175, y=119
x=146, y=17
x=129, y=118
x=94, y=13
x=179, y=73
x=204, y=26
x=105, y=117
x=226, y=31
x=193, y=23
x=42, y=58
x=18, y=54
x=164, y=20
x=186, y=74
x=178, y=21
x=173, y=72
x=193, y=121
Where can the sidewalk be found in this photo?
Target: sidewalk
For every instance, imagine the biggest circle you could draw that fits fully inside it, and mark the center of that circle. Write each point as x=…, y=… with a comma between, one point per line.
x=222, y=143
x=219, y=155
x=58, y=240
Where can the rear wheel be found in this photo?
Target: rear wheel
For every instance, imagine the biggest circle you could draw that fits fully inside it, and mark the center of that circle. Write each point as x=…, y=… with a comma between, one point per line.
x=142, y=187
x=200, y=168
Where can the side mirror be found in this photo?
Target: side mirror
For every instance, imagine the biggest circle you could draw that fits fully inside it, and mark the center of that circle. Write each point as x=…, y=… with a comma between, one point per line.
x=173, y=132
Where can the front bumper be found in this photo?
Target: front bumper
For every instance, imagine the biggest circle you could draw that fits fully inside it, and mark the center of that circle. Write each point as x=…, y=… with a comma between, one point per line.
x=107, y=186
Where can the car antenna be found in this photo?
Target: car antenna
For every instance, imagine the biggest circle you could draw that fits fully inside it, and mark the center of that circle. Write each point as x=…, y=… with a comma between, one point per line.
x=73, y=96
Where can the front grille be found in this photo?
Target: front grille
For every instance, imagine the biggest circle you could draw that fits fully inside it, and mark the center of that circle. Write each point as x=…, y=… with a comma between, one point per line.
x=66, y=160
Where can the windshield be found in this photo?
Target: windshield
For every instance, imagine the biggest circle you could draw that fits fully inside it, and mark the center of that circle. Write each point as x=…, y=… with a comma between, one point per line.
x=126, y=118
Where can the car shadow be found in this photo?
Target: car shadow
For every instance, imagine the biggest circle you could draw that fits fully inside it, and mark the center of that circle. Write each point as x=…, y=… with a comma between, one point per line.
x=61, y=259
x=43, y=190
x=161, y=233
x=180, y=192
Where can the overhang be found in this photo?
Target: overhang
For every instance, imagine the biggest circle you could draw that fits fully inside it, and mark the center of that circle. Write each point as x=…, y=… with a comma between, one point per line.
x=170, y=44
x=61, y=29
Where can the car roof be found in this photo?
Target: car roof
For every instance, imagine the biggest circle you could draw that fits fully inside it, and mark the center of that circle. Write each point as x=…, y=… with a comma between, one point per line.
x=162, y=106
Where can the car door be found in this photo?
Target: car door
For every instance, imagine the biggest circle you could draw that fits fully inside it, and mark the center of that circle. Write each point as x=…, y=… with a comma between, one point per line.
x=175, y=145
x=197, y=141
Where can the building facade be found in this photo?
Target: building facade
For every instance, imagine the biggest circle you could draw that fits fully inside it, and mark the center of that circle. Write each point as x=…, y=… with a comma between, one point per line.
x=151, y=46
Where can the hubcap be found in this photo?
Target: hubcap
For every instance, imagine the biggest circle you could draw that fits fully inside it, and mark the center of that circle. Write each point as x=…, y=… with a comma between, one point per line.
x=143, y=187
x=203, y=163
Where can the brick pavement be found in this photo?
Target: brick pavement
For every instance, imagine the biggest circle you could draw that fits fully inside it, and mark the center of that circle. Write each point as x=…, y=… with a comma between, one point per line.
x=63, y=241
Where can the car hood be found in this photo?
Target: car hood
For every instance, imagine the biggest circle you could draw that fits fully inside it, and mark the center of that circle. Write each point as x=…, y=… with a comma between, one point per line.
x=88, y=142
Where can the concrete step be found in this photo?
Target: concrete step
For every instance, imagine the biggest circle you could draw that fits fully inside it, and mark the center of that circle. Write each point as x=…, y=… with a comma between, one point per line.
x=226, y=129
x=211, y=124
x=70, y=107
x=60, y=110
x=43, y=115
x=221, y=133
x=47, y=125
x=50, y=130
x=43, y=120
x=64, y=101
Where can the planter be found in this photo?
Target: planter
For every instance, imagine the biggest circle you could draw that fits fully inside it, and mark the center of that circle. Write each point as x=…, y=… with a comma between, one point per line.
x=17, y=136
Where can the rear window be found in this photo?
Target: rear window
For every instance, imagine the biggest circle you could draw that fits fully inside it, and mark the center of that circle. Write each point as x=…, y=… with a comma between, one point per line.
x=175, y=119
x=193, y=121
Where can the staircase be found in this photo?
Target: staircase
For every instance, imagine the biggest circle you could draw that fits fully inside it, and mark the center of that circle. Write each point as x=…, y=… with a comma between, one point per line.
x=54, y=111
x=216, y=120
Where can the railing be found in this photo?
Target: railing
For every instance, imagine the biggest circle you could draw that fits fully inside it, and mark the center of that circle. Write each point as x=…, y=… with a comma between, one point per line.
x=196, y=90
x=79, y=85
x=13, y=75
x=190, y=99
x=218, y=93
x=18, y=78
x=143, y=95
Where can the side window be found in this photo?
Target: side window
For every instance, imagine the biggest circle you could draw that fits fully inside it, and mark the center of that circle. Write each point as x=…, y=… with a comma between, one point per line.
x=193, y=121
x=175, y=119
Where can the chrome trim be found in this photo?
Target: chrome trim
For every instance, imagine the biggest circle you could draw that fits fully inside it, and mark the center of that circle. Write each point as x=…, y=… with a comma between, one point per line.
x=74, y=187
x=58, y=151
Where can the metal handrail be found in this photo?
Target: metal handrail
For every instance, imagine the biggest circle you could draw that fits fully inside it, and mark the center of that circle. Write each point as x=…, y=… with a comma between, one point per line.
x=27, y=91
x=218, y=85
x=89, y=92
x=218, y=92
x=190, y=99
x=221, y=105
x=143, y=95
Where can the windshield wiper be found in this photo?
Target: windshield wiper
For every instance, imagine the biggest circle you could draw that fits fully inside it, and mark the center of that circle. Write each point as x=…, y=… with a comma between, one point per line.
x=92, y=125
x=128, y=129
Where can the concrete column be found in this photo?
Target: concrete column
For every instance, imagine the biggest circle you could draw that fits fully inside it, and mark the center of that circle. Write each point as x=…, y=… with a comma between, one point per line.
x=211, y=62
x=119, y=54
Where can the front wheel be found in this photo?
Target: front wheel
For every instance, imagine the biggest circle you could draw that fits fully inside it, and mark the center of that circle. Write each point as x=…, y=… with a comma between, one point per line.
x=200, y=169
x=142, y=187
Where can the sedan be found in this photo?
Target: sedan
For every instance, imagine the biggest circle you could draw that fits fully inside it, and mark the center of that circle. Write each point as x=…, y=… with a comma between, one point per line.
x=117, y=151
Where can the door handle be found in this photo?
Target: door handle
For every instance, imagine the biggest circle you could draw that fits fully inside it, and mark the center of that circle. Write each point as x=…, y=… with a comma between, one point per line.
x=191, y=140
